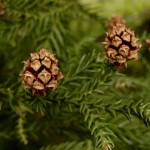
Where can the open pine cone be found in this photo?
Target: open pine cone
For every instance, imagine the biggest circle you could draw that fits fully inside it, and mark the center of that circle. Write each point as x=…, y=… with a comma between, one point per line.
x=40, y=72
x=121, y=45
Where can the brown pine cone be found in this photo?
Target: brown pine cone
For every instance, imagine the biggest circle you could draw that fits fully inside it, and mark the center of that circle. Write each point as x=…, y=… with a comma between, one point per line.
x=148, y=43
x=113, y=21
x=41, y=72
x=121, y=45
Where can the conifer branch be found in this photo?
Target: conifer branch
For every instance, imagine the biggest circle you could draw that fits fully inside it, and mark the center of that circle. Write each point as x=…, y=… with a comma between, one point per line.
x=135, y=108
x=21, y=130
x=99, y=129
x=83, y=145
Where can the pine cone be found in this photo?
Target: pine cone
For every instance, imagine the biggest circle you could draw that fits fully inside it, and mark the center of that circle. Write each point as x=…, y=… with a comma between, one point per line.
x=2, y=9
x=148, y=43
x=40, y=72
x=121, y=46
x=113, y=21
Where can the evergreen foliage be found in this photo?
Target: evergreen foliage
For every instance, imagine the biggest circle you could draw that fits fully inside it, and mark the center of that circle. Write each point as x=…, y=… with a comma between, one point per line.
x=94, y=107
